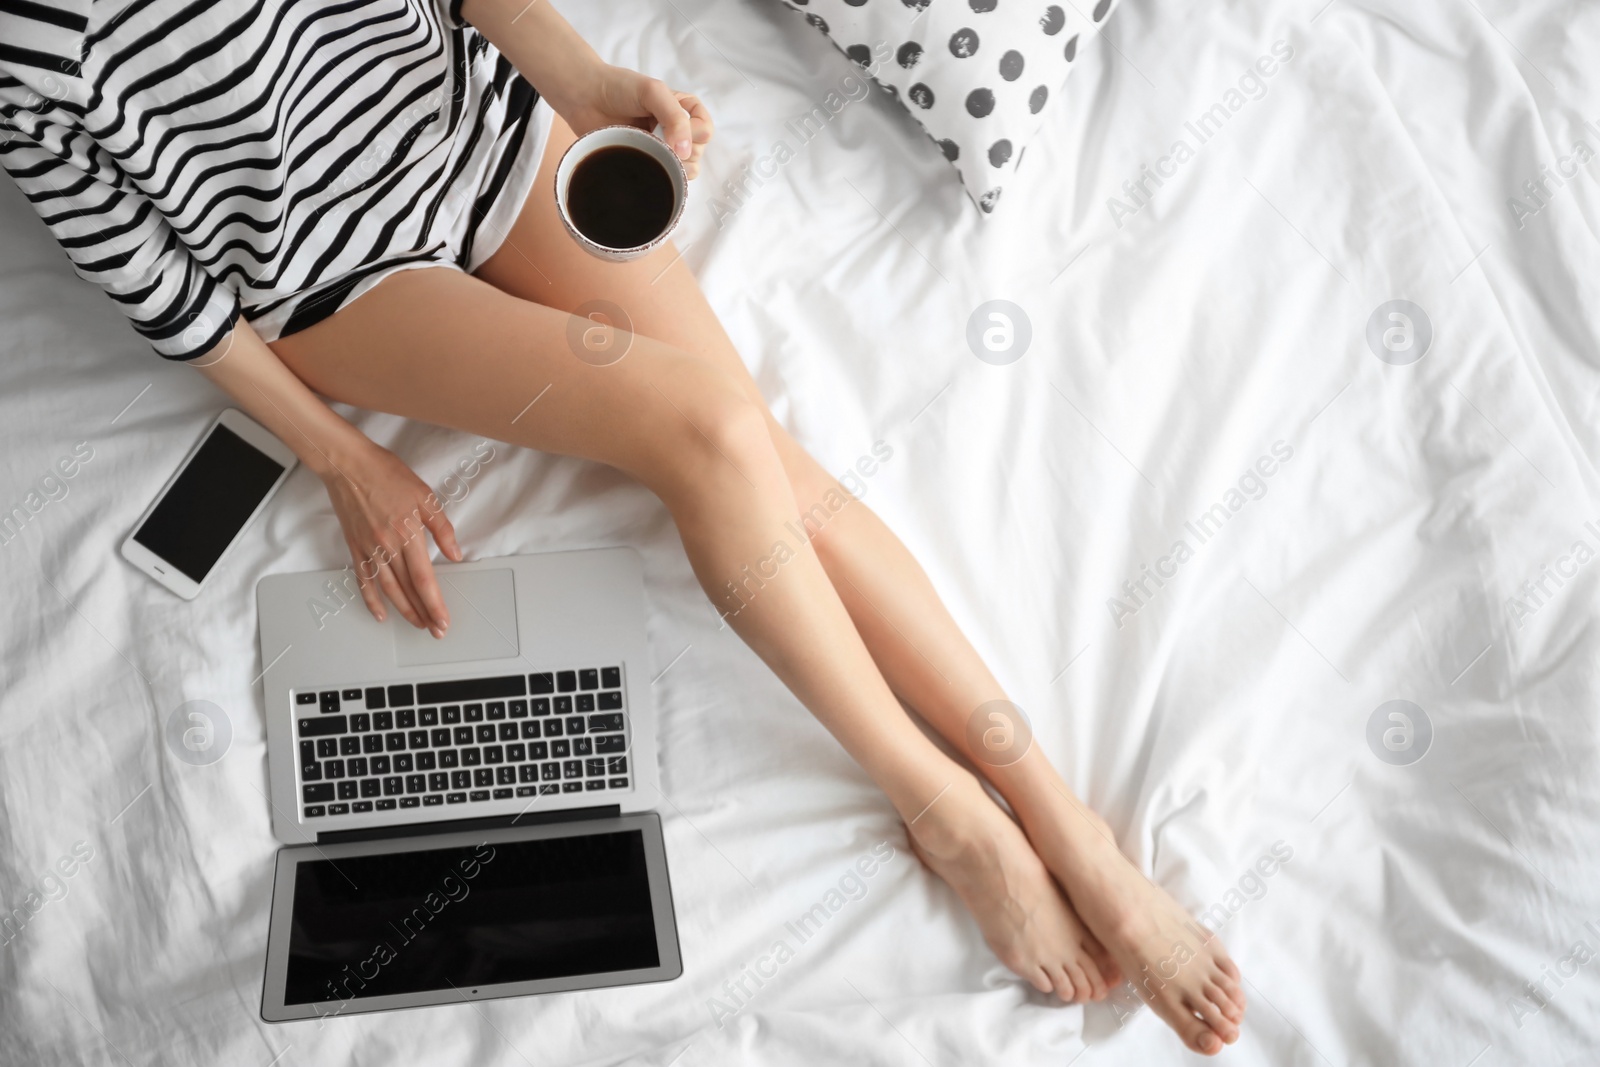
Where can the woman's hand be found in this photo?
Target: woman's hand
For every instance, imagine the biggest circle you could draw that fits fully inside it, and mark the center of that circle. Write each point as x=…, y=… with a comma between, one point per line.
x=619, y=96
x=384, y=509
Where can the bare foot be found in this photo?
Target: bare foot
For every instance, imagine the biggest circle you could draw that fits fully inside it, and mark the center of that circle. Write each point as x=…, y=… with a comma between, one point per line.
x=968, y=841
x=1174, y=964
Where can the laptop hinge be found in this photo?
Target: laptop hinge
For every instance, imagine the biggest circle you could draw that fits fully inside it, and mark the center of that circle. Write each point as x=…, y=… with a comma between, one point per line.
x=488, y=822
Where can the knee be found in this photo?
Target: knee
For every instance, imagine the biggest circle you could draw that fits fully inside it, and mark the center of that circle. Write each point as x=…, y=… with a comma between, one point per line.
x=716, y=432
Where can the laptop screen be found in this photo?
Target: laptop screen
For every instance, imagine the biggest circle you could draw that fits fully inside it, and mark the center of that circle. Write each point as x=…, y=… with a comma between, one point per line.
x=437, y=919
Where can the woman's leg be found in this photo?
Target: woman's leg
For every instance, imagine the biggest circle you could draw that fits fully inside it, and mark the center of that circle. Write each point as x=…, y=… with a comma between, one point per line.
x=912, y=638
x=443, y=347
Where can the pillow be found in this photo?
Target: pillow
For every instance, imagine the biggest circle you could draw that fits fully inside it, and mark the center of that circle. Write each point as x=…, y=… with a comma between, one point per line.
x=977, y=74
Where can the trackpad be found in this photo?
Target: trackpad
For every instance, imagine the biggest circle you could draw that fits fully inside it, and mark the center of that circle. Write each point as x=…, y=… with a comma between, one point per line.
x=483, y=622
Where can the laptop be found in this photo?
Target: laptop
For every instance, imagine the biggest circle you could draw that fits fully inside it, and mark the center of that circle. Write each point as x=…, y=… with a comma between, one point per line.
x=466, y=818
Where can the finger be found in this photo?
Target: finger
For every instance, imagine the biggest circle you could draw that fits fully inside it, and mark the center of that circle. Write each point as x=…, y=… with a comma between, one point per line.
x=420, y=568
x=397, y=596
x=369, y=588
x=444, y=534
x=402, y=574
x=675, y=126
x=700, y=124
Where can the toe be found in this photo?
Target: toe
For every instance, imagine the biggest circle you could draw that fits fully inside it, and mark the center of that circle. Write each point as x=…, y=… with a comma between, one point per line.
x=1203, y=1039
x=1221, y=998
x=1038, y=977
x=1082, y=988
x=1097, y=987
x=1062, y=979
x=1212, y=1014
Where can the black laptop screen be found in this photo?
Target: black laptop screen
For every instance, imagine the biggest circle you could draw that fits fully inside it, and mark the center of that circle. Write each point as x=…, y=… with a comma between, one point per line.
x=413, y=922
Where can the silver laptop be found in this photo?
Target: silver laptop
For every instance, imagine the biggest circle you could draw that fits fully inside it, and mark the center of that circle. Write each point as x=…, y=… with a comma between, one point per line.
x=468, y=817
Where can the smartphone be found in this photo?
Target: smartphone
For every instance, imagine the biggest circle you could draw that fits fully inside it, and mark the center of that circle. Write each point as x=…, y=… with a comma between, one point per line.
x=218, y=490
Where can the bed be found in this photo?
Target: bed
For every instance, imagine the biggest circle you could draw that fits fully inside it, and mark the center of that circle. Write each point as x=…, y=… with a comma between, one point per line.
x=1426, y=896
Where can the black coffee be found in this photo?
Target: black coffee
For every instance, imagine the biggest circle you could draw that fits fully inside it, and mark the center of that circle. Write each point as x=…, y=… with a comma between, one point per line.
x=620, y=197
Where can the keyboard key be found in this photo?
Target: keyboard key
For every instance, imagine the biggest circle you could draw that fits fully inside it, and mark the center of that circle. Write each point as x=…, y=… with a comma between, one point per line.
x=485, y=733
x=411, y=802
x=589, y=679
x=614, y=743
x=333, y=768
x=361, y=807
x=383, y=721
x=549, y=772
x=416, y=783
x=547, y=790
x=428, y=716
x=406, y=719
x=553, y=728
x=392, y=786
x=541, y=683
x=451, y=715
x=482, y=776
x=594, y=783
x=402, y=763
x=417, y=739
x=509, y=685
x=438, y=781
x=357, y=767
x=516, y=753
x=311, y=772
x=617, y=765
x=599, y=723
x=455, y=798
x=539, y=750
x=530, y=729
x=610, y=701
x=472, y=712
x=561, y=705
x=401, y=694
x=584, y=703
x=375, y=698
x=386, y=804
x=479, y=794
x=575, y=725
x=611, y=677
x=308, y=751
x=502, y=794
x=371, y=787
x=572, y=787
x=463, y=735
x=349, y=745
x=441, y=737
x=425, y=761
x=508, y=731
x=328, y=702
x=495, y=710
x=617, y=783
x=448, y=758
x=338, y=809
x=347, y=789
x=350, y=694
x=594, y=768
x=541, y=706
x=314, y=793
x=528, y=772
x=327, y=747
x=460, y=779
x=372, y=743
x=380, y=765
x=471, y=757
x=560, y=749
x=572, y=768
x=432, y=800
x=494, y=754
x=360, y=723
x=395, y=742
x=305, y=698
x=566, y=681
x=505, y=775
x=333, y=724
x=519, y=709
x=583, y=746
x=526, y=790
x=315, y=811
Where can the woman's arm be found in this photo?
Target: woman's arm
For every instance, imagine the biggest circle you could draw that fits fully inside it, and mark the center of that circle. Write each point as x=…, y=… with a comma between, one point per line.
x=382, y=506
x=579, y=85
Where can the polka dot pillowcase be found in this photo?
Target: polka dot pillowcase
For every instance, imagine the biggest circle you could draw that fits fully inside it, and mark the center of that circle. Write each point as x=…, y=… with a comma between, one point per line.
x=977, y=74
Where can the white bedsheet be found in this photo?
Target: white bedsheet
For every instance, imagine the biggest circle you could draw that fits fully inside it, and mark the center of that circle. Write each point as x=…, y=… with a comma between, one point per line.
x=1224, y=716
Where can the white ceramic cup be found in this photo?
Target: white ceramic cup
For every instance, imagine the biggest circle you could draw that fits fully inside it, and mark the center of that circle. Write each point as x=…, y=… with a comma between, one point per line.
x=611, y=137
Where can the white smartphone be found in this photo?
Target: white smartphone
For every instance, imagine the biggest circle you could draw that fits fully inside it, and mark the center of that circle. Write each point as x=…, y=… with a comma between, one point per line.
x=216, y=492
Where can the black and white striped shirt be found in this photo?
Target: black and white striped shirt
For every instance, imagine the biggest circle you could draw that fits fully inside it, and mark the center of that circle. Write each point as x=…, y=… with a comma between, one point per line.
x=199, y=158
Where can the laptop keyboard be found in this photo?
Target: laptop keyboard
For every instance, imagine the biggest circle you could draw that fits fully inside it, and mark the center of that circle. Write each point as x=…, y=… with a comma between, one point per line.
x=460, y=741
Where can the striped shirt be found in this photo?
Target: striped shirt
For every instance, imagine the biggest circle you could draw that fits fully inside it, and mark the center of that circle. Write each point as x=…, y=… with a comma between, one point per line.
x=199, y=159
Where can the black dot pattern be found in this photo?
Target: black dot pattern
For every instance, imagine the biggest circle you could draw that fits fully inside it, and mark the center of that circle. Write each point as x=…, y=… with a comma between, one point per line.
x=977, y=74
